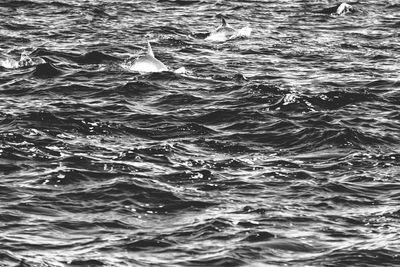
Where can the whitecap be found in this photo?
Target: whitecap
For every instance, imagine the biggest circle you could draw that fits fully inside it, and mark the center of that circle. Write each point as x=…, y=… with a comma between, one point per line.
x=25, y=61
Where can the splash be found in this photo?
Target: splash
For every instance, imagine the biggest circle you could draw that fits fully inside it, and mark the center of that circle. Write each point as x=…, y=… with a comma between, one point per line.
x=244, y=32
x=222, y=36
x=25, y=61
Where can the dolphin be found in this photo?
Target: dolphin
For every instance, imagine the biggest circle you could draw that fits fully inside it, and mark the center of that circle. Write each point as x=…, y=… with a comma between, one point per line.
x=224, y=29
x=148, y=63
x=345, y=8
x=225, y=32
x=339, y=9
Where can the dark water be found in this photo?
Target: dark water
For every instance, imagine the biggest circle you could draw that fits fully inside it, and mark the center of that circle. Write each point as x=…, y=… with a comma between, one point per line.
x=281, y=149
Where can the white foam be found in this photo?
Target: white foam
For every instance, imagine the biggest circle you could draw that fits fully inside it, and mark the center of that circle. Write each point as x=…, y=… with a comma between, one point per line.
x=9, y=63
x=181, y=70
x=222, y=36
x=243, y=32
x=24, y=61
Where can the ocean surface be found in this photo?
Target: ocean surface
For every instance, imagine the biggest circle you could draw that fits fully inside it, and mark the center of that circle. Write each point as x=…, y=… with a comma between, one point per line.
x=281, y=148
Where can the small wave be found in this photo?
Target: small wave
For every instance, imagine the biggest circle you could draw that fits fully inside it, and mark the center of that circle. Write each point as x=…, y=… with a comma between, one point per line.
x=295, y=102
x=337, y=99
x=386, y=84
x=12, y=260
x=148, y=244
x=48, y=121
x=180, y=131
x=360, y=257
x=141, y=196
x=8, y=168
x=209, y=228
x=156, y=154
x=137, y=88
x=218, y=260
x=72, y=177
x=46, y=70
x=14, y=40
x=31, y=4
x=85, y=263
x=91, y=57
x=218, y=116
x=179, y=99
x=225, y=146
x=14, y=26
x=188, y=177
x=94, y=57
x=180, y=2
x=259, y=237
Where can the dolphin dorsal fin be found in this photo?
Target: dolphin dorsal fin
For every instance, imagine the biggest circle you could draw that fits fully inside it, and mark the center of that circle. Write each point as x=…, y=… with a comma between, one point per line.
x=223, y=21
x=341, y=8
x=149, y=50
x=344, y=8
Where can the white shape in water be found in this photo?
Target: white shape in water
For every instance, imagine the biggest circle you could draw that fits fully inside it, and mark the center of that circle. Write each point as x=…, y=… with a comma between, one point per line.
x=9, y=63
x=225, y=32
x=344, y=8
x=148, y=63
x=181, y=70
x=24, y=61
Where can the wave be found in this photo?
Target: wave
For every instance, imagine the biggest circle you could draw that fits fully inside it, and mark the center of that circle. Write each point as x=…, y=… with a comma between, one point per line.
x=360, y=257
x=142, y=197
x=330, y=100
x=91, y=57
x=31, y=4
x=46, y=70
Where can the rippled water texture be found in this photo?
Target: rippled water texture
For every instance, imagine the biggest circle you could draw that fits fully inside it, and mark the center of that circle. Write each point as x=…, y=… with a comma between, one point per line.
x=277, y=149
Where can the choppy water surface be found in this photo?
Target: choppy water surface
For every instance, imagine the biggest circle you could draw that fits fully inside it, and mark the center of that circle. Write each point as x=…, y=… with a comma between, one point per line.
x=281, y=149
